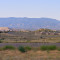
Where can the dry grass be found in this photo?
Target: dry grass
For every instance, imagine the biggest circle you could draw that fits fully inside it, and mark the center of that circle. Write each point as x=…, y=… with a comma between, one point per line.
x=30, y=55
x=28, y=37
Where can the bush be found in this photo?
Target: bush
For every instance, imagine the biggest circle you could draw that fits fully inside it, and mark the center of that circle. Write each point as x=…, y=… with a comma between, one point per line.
x=43, y=47
x=28, y=48
x=52, y=47
x=8, y=47
x=22, y=49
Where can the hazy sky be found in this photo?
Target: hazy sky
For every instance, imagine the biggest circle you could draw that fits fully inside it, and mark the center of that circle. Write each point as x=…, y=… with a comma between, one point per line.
x=30, y=8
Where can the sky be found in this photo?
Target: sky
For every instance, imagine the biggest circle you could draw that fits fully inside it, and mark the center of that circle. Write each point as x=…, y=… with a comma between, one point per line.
x=30, y=8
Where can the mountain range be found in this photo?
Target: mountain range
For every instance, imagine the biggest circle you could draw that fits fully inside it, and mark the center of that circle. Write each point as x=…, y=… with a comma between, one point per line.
x=30, y=23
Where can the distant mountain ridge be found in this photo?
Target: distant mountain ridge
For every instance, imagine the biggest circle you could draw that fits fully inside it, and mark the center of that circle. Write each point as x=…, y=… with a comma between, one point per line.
x=30, y=23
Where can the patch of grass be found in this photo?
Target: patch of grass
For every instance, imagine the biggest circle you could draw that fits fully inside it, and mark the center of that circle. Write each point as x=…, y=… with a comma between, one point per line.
x=43, y=47
x=28, y=48
x=52, y=47
x=8, y=47
x=22, y=49
x=58, y=49
x=48, y=51
x=1, y=48
x=0, y=41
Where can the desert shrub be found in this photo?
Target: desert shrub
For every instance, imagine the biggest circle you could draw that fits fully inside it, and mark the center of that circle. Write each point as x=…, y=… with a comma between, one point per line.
x=22, y=49
x=43, y=47
x=8, y=47
x=28, y=48
x=52, y=47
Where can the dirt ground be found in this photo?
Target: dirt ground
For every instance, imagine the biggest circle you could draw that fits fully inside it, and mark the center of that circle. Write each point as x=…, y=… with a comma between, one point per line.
x=30, y=55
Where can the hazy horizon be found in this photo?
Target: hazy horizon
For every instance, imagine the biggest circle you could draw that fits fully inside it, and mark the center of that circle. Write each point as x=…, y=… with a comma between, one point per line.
x=30, y=8
x=30, y=17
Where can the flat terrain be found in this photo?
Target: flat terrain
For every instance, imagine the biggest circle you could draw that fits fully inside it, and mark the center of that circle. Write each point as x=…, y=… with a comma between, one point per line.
x=17, y=37
x=30, y=55
x=29, y=38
